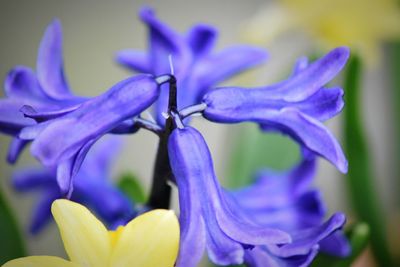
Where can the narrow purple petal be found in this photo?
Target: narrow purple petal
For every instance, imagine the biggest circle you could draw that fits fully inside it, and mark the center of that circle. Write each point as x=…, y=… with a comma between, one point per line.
x=202, y=39
x=133, y=59
x=50, y=70
x=64, y=177
x=310, y=79
x=15, y=149
x=93, y=119
x=40, y=116
x=11, y=119
x=305, y=240
x=21, y=83
x=227, y=63
x=164, y=41
x=31, y=179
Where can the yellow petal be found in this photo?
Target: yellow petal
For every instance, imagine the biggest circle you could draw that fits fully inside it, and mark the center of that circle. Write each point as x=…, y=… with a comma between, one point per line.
x=151, y=239
x=86, y=240
x=40, y=261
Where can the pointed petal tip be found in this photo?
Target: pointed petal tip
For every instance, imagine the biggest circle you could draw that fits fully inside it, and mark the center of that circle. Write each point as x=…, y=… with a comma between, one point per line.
x=146, y=13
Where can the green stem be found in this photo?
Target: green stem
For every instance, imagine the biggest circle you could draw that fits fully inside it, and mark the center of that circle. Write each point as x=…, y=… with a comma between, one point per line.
x=360, y=180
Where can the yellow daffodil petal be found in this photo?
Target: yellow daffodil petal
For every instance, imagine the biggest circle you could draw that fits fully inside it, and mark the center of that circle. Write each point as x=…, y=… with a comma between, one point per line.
x=152, y=239
x=40, y=261
x=86, y=240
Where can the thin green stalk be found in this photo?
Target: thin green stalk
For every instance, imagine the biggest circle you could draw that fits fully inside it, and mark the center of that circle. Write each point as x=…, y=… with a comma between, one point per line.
x=360, y=179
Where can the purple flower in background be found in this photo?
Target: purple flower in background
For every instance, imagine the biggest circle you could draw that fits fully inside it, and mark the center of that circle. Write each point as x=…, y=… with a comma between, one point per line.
x=46, y=90
x=196, y=66
x=296, y=106
x=93, y=188
x=287, y=201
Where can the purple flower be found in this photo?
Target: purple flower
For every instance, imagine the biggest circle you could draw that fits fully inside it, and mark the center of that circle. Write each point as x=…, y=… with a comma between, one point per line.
x=93, y=188
x=46, y=90
x=295, y=107
x=207, y=218
x=40, y=107
x=287, y=201
x=196, y=66
x=63, y=141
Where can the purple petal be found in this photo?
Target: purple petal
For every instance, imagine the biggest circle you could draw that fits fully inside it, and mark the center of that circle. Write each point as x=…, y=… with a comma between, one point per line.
x=40, y=116
x=227, y=63
x=42, y=212
x=107, y=201
x=202, y=39
x=136, y=60
x=192, y=226
x=310, y=79
x=261, y=257
x=324, y=104
x=164, y=41
x=64, y=137
x=311, y=133
x=15, y=149
x=232, y=105
x=21, y=83
x=49, y=67
x=336, y=245
x=305, y=240
x=32, y=178
x=191, y=160
x=11, y=119
x=64, y=177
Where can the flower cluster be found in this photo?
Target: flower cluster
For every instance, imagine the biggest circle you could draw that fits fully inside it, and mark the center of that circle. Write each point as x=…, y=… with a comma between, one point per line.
x=279, y=220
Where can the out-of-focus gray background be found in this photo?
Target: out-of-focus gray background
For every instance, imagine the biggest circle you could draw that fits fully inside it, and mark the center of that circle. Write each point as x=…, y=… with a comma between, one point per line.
x=95, y=30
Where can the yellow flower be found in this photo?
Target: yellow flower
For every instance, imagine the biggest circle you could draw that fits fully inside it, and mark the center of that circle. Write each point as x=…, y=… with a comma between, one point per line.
x=149, y=240
x=361, y=24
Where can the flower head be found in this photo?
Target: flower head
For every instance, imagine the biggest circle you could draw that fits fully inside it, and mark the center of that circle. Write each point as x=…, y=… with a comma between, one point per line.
x=89, y=244
x=196, y=66
x=295, y=106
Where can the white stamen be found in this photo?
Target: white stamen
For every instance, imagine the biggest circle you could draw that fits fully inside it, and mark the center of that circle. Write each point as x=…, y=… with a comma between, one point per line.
x=171, y=66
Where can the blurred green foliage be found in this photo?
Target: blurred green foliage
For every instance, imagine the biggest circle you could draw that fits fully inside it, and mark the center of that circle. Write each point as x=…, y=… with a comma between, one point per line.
x=130, y=185
x=360, y=178
x=11, y=244
x=253, y=150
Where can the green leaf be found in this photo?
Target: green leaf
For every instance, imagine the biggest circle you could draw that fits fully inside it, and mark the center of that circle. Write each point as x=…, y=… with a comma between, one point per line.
x=360, y=178
x=358, y=236
x=129, y=184
x=253, y=150
x=394, y=55
x=11, y=244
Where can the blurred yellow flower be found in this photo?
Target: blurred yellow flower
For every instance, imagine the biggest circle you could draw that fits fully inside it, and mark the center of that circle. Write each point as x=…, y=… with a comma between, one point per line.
x=149, y=240
x=361, y=24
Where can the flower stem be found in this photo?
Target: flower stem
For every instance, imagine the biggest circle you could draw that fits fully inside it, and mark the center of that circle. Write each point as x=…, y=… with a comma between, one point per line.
x=160, y=194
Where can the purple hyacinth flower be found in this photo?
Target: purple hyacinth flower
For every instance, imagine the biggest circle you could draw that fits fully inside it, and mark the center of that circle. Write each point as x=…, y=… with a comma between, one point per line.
x=46, y=90
x=93, y=188
x=207, y=218
x=296, y=106
x=287, y=201
x=63, y=141
x=196, y=66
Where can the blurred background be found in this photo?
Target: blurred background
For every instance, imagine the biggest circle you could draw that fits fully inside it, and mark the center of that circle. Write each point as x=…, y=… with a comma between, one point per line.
x=95, y=29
